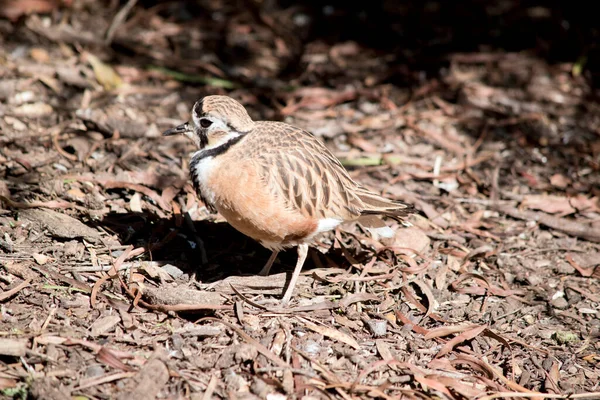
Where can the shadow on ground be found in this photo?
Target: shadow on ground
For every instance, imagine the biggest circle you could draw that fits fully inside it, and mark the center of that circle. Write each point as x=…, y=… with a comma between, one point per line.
x=228, y=252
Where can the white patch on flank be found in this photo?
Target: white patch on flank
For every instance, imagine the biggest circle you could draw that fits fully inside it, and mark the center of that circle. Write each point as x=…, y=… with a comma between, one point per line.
x=384, y=232
x=327, y=224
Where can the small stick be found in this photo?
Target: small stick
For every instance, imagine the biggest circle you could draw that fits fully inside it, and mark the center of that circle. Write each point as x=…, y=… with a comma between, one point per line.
x=9, y=293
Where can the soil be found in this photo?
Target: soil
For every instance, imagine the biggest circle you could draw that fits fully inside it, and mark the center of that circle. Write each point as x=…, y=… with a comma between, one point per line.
x=117, y=282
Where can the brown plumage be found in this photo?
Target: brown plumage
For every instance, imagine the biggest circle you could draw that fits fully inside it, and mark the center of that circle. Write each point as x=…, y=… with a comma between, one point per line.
x=272, y=181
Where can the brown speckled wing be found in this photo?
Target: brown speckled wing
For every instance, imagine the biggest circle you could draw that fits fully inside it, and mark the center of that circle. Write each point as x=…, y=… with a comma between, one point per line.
x=300, y=169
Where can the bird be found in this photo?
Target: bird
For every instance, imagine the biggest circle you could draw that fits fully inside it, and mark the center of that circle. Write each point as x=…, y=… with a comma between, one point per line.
x=275, y=182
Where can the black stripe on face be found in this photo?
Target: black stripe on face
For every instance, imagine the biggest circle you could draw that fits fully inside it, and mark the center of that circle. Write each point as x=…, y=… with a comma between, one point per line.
x=197, y=110
x=202, y=137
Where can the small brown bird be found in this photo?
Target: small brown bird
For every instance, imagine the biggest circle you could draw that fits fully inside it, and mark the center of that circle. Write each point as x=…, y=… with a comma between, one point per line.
x=274, y=182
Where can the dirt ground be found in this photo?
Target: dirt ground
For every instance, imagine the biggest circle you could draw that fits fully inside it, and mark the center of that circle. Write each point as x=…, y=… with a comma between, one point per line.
x=117, y=283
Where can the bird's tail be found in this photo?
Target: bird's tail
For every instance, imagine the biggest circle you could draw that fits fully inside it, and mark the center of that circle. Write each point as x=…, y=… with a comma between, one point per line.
x=375, y=204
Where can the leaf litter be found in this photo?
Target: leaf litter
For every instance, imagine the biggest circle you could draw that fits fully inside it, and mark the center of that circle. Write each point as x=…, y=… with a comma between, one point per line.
x=116, y=282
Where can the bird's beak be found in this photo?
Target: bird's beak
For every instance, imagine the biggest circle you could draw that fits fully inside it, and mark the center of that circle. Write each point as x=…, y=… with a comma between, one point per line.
x=178, y=129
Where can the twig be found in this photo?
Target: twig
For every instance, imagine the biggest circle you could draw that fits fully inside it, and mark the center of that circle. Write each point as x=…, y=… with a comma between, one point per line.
x=48, y=319
x=87, y=383
x=81, y=286
x=485, y=202
x=260, y=347
x=104, y=268
x=59, y=149
x=166, y=308
x=210, y=388
x=52, y=204
x=247, y=300
x=113, y=272
x=569, y=227
x=9, y=293
x=499, y=395
x=445, y=172
x=101, y=268
x=118, y=21
x=293, y=370
x=440, y=139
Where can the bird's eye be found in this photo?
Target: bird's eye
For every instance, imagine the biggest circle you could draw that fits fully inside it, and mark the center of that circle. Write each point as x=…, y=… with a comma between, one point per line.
x=205, y=123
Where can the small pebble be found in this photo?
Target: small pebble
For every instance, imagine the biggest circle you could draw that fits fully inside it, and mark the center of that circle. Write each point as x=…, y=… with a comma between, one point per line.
x=311, y=347
x=378, y=326
x=560, y=303
x=529, y=319
x=564, y=268
x=534, y=280
x=245, y=352
x=172, y=270
x=564, y=337
x=60, y=167
x=177, y=341
x=573, y=370
x=94, y=370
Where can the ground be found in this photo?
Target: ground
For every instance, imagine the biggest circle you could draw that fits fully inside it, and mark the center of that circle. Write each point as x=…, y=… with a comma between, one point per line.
x=116, y=282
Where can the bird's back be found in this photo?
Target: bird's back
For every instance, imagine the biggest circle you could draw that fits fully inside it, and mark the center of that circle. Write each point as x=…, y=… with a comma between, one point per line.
x=297, y=167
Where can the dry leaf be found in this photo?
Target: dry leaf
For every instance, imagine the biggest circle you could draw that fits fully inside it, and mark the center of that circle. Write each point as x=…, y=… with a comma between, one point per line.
x=552, y=378
x=135, y=204
x=385, y=352
x=111, y=358
x=6, y=383
x=105, y=74
x=559, y=181
x=104, y=324
x=468, y=335
x=76, y=193
x=332, y=333
x=137, y=278
x=40, y=258
x=548, y=204
x=39, y=54
x=586, y=272
x=560, y=204
x=50, y=339
x=582, y=203
x=14, y=9
x=155, y=271
x=412, y=238
x=434, y=384
x=448, y=330
x=467, y=390
x=33, y=110
x=13, y=347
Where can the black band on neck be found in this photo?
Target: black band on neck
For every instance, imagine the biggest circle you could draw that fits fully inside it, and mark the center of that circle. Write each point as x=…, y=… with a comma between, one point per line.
x=215, y=151
x=205, y=154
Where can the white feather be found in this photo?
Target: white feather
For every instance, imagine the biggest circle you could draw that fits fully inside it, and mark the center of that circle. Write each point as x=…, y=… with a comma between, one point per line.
x=385, y=232
x=204, y=169
x=327, y=224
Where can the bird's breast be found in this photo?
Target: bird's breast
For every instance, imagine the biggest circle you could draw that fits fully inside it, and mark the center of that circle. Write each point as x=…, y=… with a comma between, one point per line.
x=201, y=170
x=248, y=203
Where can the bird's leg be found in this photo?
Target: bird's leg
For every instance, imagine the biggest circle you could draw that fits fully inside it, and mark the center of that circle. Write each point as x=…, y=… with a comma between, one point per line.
x=265, y=270
x=302, y=252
